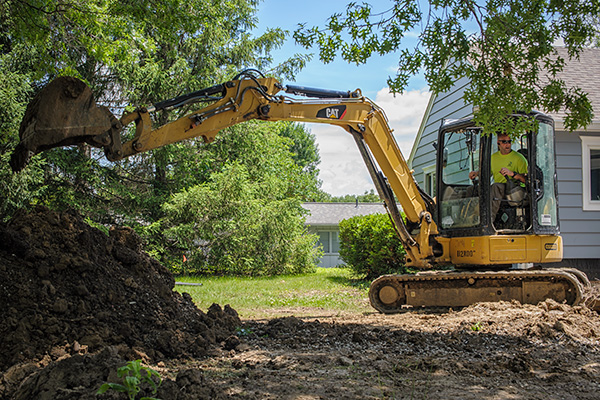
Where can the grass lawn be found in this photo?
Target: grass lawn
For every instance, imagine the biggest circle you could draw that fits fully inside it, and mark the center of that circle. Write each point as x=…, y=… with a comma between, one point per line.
x=326, y=292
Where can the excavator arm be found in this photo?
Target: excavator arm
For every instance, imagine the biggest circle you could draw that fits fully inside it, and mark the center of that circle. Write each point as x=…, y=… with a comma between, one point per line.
x=244, y=98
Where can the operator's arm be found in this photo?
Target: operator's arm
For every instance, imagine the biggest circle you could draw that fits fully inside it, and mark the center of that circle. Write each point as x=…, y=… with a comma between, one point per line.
x=251, y=96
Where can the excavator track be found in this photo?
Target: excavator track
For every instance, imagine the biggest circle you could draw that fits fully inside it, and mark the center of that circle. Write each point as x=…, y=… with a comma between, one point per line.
x=389, y=293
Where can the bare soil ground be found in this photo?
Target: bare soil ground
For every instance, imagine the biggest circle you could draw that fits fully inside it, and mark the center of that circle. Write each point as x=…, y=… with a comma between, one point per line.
x=77, y=304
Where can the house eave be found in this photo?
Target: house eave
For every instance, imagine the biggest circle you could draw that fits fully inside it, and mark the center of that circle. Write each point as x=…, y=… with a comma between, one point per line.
x=593, y=127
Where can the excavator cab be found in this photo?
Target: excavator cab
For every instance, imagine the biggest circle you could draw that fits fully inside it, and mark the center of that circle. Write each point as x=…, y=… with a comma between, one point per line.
x=466, y=206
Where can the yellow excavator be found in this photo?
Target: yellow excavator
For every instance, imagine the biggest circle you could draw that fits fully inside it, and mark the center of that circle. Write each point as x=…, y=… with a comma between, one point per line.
x=468, y=255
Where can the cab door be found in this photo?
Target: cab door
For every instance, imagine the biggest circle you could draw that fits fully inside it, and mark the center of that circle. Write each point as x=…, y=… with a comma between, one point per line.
x=460, y=202
x=543, y=179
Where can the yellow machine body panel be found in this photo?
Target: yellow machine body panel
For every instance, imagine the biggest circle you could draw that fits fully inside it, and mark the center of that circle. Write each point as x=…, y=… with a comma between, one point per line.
x=501, y=249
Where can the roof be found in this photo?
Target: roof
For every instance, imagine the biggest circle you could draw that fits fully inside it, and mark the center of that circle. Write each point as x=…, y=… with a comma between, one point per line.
x=333, y=213
x=583, y=73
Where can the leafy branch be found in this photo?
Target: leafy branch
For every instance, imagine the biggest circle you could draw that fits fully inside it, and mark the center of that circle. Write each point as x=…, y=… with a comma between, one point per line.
x=505, y=48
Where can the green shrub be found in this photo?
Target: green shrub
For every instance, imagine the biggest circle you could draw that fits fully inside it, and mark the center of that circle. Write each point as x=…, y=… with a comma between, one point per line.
x=370, y=246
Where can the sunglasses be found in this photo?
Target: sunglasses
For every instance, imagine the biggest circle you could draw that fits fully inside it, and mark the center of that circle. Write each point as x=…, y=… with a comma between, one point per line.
x=504, y=141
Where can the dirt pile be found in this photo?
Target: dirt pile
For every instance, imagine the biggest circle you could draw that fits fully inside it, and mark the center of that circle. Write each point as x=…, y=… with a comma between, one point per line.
x=67, y=290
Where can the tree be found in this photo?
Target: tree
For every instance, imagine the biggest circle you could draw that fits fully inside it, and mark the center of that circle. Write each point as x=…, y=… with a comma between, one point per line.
x=129, y=53
x=230, y=226
x=142, y=48
x=504, y=47
x=369, y=196
x=16, y=191
x=244, y=216
x=138, y=53
x=303, y=145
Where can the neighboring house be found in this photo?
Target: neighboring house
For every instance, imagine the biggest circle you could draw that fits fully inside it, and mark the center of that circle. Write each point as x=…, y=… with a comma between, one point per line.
x=323, y=219
x=577, y=158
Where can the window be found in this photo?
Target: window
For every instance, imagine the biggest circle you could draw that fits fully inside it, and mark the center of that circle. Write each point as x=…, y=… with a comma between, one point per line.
x=324, y=241
x=590, y=154
x=461, y=156
x=459, y=206
x=330, y=240
x=429, y=180
x=547, y=209
x=335, y=242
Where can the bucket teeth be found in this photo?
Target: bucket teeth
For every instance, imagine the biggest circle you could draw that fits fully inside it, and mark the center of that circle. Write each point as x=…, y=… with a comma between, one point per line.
x=19, y=158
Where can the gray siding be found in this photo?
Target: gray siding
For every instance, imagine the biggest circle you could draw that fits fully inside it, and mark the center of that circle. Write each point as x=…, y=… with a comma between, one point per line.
x=447, y=105
x=580, y=229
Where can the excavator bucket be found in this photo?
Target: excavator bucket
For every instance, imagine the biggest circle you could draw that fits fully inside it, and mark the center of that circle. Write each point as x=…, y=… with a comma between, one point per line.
x=63, y=113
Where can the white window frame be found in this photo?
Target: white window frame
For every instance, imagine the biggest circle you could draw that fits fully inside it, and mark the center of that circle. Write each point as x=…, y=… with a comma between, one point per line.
x=588, y=143
x=429, y=173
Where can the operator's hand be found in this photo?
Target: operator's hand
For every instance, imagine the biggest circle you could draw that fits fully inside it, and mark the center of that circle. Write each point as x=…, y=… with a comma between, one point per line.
x=507, y=172
x=473, y=175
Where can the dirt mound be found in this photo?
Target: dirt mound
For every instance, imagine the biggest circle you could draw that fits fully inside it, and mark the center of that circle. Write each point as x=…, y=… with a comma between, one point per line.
x=67, y=289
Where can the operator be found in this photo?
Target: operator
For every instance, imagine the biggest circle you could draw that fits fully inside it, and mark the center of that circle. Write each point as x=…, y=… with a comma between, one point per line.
x=506, y=164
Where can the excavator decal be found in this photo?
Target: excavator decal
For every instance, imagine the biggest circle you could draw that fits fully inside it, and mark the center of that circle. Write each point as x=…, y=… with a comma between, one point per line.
x=335, y=112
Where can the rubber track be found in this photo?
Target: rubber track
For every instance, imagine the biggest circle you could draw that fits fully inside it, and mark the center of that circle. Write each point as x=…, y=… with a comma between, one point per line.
x=575, y=280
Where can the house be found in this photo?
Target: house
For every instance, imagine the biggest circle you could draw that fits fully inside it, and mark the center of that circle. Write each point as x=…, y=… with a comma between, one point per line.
x=577, y=158
x=323, y=219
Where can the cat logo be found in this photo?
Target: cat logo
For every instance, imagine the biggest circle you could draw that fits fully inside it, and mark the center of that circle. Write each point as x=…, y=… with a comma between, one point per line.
x=335, y=112
x=550, y=246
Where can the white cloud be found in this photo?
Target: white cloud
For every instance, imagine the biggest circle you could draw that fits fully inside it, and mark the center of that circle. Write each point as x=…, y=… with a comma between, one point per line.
x=342, y=169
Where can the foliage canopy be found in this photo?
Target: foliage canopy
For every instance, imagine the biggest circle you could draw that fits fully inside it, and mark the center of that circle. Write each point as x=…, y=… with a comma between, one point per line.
x=229, y=227
x=503, y=47
x=138, y=53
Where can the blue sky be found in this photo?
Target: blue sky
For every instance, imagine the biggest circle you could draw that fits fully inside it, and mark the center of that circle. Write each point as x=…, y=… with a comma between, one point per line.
x=342, y=169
